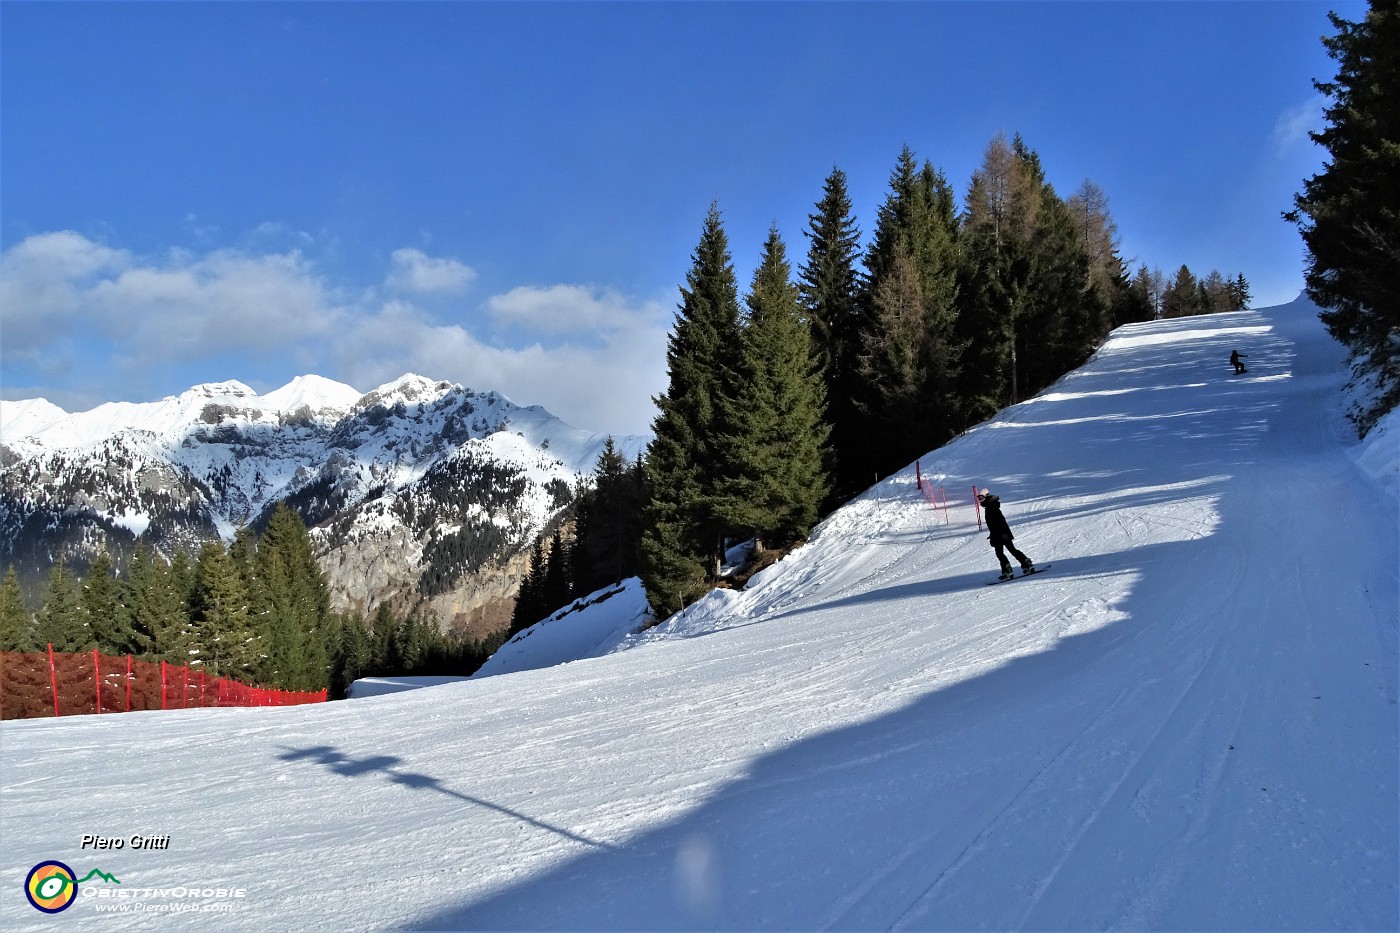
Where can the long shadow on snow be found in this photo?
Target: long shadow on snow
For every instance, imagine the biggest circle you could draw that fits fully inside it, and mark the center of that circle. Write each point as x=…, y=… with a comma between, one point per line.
x=818, y=814
x=856, y=828
x=387, y=766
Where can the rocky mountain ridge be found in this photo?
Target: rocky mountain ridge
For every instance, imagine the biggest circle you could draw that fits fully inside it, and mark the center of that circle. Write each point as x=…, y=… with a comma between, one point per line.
x=421, y=493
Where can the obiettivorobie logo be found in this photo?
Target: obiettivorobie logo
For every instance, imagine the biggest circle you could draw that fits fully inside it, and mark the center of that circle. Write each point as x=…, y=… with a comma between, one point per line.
x=53, y=887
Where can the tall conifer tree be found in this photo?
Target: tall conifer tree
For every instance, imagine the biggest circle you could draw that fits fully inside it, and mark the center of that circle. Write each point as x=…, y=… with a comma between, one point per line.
x=1002, y=205
x=830, y=289
x=155, y=604
x=16, y=624
x=106, y=615
x=779, y=425
x=61, y=621
x=1349, y=214
x=682, y=535
x=299, y=623
x=220, y=635
x=910, y=351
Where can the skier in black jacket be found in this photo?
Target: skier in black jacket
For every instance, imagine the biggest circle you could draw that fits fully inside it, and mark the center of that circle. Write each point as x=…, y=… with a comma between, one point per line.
x=1001, y=536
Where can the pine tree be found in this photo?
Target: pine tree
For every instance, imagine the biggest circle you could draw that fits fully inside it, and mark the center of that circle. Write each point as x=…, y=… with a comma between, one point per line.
x=830, y=289
x=554, y=594
x=607, y=524
x=220, y=637
x=682, y=538
x=1066, y=314
x=297, y=633
x=530, y=599
x=382, y=628
x=1182, y=298
x=16, y=623
x=107, y=617
x=1239, y=293
x=779, y=429
x=61, y=622
x=1349, y=214
x=910, y=352
x=353, y=655
x=155, y=605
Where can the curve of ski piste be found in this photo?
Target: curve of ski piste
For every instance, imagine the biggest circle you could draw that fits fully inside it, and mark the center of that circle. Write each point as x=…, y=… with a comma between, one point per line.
x=1190, y=723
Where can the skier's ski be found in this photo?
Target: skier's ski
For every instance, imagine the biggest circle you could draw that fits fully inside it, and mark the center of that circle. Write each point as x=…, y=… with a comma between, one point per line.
x=1019, y=576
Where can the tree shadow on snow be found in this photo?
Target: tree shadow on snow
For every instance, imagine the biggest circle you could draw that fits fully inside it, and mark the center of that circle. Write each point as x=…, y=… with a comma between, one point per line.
x=387, y=766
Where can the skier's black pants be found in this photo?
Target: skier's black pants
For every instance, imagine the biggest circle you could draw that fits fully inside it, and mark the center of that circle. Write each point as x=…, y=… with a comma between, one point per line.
x=1006, y=564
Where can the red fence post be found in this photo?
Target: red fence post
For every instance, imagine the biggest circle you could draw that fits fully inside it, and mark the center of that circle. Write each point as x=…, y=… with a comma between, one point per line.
x=162, y=683
x=97, y=679
x=128, y=683
x=53, y=679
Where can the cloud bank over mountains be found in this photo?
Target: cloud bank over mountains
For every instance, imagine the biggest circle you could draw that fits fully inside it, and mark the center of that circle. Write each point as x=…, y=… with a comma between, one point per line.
x=86, y=322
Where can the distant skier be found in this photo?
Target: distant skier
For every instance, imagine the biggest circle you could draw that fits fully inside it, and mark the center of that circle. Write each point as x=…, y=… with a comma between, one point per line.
x=1001, y=536
x=1235, y=357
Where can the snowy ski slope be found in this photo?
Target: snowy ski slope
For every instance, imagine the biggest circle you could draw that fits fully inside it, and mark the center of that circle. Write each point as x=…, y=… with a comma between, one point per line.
x=1189, y=723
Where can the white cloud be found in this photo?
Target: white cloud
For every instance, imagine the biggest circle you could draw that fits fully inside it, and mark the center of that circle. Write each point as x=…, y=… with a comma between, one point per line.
x=603, y=384
x=415, y=271
x=1292, y=127
x=563, y=309
x=97, y=323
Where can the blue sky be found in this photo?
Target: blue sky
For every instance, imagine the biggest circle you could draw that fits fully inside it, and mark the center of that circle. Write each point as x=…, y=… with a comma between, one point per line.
x=507, y=195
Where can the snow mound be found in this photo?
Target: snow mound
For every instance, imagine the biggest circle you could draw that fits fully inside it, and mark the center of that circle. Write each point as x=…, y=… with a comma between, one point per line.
x=381, y=686
x=588, y=627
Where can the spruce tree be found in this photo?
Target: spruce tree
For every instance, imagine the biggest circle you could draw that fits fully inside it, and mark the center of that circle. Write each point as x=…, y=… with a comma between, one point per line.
x=778, y=425
x=155, y=605
x=554, y=594
x=16, y=623
x=61, y=621
x=1182, y=298
x=1349, y=214
x=106, y=614
x=682, y=538
x=382, y=627
x=1066, y=313
x=220, y=636
x=298, y=628
x=529, y=600
x=830, y=290
x=607, y=524
x=910, y=351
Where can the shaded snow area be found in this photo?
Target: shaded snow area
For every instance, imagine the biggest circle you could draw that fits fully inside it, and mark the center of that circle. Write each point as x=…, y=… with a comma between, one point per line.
x=378, y=686
x=1188, y=723
x=586, y=628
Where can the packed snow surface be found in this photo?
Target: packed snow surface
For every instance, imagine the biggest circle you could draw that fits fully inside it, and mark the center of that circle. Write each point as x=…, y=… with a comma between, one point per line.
x=1189, y=722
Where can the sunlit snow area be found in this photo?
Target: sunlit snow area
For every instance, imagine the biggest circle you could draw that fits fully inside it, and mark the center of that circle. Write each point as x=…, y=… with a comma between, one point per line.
x=1188, y=723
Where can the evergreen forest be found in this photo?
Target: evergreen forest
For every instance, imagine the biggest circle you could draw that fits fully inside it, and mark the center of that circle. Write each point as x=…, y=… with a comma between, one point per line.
x=255, y=611
x=787, y=401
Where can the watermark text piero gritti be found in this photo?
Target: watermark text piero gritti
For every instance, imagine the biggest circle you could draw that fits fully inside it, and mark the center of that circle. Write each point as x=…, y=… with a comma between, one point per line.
x=137, y=841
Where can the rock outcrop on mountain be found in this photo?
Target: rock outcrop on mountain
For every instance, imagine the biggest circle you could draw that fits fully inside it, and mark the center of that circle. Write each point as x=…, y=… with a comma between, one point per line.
x=419, y=493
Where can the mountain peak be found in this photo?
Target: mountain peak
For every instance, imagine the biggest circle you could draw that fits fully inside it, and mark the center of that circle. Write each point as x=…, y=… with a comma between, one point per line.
x=409, y=388
x=316, y=393
x=230, y=388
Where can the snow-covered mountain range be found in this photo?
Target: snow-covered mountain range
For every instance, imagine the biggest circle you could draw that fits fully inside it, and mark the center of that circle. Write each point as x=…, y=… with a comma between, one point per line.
x=419, y=491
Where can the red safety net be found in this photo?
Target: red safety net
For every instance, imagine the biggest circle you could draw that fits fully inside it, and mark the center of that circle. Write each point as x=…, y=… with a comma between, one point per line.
x=55, y=683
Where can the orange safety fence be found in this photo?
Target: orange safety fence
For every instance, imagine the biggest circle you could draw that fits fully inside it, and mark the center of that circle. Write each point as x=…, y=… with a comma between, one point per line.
x=56, y=683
